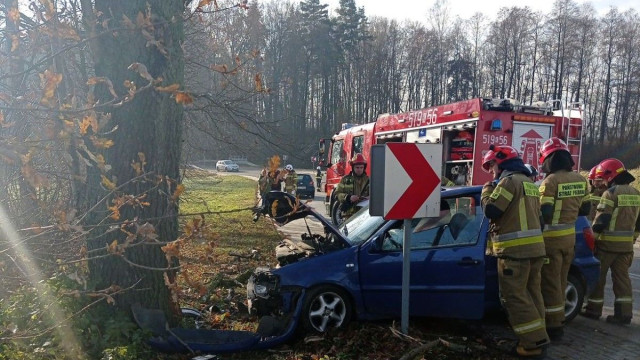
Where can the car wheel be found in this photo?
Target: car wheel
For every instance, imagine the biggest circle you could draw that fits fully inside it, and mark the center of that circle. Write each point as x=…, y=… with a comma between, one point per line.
x=574, y=297
x=192, y=318
x=325, y=308
x=336, y=217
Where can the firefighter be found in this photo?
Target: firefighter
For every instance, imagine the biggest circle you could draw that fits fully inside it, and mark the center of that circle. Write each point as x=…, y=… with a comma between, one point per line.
x=353, y=187
x=563, y=196
x=318, y=177
x=616, y=226
x=598, y=186
x=511, y=202
x=290, y=180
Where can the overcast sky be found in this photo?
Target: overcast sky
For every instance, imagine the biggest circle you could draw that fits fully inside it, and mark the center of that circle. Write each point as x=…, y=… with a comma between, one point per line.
x=417, y=9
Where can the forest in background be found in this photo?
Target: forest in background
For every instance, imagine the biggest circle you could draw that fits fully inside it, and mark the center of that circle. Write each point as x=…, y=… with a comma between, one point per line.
x=314, y=71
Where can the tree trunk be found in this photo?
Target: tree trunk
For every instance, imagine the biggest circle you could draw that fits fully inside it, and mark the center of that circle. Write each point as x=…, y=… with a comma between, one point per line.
x=149, y=134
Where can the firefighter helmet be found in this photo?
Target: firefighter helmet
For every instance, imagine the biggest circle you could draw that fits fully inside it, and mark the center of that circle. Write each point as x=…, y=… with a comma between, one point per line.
x=593, y=175
x=499, y=154
x=550, y=146
x=608, y=169
x=289, y=167
x=358, y=159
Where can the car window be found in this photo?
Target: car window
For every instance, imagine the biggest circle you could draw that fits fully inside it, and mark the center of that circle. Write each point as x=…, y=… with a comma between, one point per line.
x=360, y=226
x=458, y=224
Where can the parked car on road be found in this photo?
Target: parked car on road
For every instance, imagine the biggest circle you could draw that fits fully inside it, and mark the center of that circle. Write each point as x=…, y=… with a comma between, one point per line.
x=355, y=271
x=227, y=165
x=306, y=187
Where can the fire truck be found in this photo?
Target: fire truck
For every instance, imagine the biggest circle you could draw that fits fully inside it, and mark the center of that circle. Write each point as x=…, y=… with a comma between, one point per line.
x=465, y=129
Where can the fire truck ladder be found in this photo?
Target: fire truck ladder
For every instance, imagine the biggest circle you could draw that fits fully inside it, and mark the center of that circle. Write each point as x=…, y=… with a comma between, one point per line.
x=569, y=128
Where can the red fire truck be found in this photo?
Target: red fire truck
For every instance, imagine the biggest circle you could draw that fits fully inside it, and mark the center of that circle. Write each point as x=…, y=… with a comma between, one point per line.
x=465, y=129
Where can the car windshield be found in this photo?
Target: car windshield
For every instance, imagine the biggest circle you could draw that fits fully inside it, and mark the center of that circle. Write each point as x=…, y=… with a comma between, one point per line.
x=361, y=226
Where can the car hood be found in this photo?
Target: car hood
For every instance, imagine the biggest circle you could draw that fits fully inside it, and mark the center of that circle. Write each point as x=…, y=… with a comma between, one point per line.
x=284, y=208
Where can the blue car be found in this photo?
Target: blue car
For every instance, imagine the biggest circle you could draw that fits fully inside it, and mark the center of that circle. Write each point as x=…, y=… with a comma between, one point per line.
x=353, y=272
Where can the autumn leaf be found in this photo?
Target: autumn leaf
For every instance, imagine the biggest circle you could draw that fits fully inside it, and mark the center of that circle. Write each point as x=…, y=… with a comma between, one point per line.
x=258, y=81
x=142, y=70
x=183, y=98
x=49, y=81
x=101, y=143
x=176, y=194
x=99, y=79
x=107, y=183
x=169, y=89
x=85, y=123
x=14, y=14
x=113, y=247
x=219, y=68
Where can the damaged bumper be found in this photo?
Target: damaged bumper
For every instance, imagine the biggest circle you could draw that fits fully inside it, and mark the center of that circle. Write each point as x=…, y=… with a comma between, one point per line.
x=279, y=313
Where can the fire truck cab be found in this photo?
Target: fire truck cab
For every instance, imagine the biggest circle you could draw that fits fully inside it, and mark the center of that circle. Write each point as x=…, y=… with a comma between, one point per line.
x=465, y=129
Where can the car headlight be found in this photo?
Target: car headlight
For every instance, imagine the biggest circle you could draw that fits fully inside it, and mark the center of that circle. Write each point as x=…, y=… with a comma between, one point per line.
x=260, y=289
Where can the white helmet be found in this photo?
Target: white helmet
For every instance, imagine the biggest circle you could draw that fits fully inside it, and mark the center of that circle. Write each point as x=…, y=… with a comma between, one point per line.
x=289, y=167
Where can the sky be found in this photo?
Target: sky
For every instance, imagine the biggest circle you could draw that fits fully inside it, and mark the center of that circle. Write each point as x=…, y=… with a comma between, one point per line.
x=417, y=10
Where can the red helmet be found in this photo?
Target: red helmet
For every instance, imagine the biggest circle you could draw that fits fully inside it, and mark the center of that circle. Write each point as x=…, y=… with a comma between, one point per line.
x=358, y=159
x=499, y=154
x=608, y=169
x=550, y=146
x=593, y=175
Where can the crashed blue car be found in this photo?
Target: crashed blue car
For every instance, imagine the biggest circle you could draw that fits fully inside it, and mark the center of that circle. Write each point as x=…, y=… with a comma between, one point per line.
x=325, y=280
x=355, y=272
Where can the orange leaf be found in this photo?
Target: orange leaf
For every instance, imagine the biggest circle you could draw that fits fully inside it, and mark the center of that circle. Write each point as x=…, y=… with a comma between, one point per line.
x=258, y=81
x=171, y=88
x=14, y=14
x=107, y=183
x=101, y=143
x=183, y=98
x=178, y=192
x=50, y=82
x=219, y=68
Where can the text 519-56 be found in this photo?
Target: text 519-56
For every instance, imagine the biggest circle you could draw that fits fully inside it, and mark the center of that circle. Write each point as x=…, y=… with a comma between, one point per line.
x=494, y=139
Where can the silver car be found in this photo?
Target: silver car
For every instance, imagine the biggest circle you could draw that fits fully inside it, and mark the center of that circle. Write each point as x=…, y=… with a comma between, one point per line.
x=227, y=165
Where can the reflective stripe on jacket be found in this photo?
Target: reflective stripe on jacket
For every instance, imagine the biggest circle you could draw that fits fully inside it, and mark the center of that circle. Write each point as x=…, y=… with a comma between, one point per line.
x=516, y=234
x=622, y=203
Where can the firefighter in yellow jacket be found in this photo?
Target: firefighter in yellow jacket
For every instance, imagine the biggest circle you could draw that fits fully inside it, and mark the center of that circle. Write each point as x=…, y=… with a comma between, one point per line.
x=290, y=180
x=512, y=204
x=563, y=196
x=598, y=186
x=616, y=226
x=353, y=187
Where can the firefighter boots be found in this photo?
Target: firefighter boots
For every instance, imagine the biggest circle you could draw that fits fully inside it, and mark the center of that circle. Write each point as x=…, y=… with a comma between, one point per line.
x=619, y=320
x=555, y=333
x=591, y=315
x=536, y=353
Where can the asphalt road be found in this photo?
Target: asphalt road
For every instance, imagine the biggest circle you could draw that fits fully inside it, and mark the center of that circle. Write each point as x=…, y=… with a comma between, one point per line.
x=584, y=338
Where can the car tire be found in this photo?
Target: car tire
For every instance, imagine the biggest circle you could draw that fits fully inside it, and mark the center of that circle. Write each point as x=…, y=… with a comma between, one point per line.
x=574, y=297
x=192, y=318
x=326, y=307
x=336, y=218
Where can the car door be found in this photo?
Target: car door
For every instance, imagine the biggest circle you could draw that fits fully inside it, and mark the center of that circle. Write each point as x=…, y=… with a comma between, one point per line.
x=447, y=264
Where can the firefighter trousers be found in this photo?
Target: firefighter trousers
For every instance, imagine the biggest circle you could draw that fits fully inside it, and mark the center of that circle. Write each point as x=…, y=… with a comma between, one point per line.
x=560, y=252
x=519, y=281
x=619, y=263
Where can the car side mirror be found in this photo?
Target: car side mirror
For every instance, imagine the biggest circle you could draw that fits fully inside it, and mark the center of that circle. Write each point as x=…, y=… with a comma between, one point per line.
x=376, y=245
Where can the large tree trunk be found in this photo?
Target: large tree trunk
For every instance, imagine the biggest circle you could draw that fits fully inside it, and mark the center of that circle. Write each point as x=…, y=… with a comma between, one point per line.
x=150, y=124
